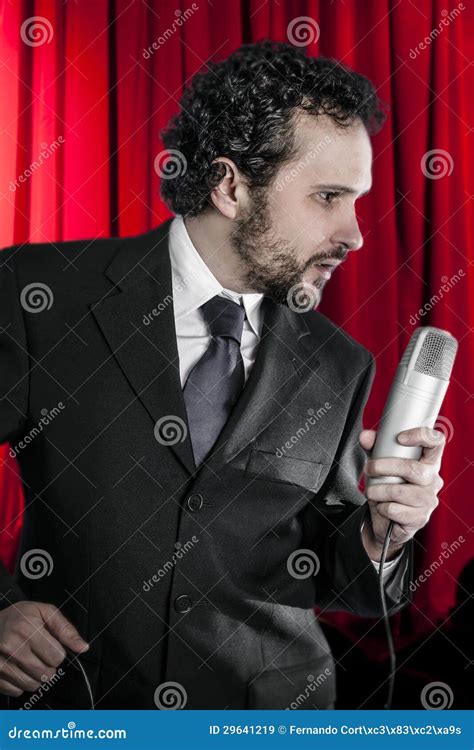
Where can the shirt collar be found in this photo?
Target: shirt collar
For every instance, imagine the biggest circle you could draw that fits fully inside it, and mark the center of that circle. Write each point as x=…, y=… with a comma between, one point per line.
x=194, y=283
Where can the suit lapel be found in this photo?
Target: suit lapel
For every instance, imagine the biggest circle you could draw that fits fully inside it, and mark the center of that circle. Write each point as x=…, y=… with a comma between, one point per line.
x=148, y=354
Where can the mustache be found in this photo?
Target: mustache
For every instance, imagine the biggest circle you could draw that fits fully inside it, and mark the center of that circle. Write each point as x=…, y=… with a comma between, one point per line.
x=339, y=253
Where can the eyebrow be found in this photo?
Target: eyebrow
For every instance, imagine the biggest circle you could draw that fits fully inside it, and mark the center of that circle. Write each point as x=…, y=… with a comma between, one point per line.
x=339, y=189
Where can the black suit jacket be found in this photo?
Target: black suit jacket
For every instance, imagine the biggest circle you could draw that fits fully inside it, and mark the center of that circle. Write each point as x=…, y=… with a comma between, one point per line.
x=176, y=575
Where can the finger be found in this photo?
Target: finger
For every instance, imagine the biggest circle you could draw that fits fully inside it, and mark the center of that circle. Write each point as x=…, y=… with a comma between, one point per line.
x=405, y=515
x=30, y=636
x=34, y=667
x=47, y=649
x=407, y=494
x=65, y=631
x=432, y=442
x=398, y=534
x=367, y=439
x=410, y=469
x=8, y=689
x=16, y=676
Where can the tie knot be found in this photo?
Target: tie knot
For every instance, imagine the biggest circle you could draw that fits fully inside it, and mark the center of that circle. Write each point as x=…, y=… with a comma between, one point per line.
x=224, y=317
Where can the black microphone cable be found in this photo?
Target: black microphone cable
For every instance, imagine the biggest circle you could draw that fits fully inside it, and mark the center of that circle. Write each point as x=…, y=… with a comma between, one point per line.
x=386, y=620
x=74, y=657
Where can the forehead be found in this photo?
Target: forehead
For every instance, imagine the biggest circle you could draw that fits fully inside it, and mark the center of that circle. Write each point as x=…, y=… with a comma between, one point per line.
x=327, y=153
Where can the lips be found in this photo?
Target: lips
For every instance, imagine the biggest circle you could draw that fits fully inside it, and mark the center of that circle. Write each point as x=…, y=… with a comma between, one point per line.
x=330, y=263
x=324, y=271
x=327, y=267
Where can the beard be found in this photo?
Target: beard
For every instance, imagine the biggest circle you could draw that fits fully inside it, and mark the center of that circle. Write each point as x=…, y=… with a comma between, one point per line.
x=270, y=265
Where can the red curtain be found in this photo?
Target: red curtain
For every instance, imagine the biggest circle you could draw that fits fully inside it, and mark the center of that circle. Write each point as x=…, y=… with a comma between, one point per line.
x=86, y=88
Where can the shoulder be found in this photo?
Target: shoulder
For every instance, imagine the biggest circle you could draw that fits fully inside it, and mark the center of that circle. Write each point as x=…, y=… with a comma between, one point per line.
x=334, y=343
x=83, y=256
x=88, y=258
x=61, y=277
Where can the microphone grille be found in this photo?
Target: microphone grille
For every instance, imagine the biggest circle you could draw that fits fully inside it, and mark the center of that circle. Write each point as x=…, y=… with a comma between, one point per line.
x=434, y=351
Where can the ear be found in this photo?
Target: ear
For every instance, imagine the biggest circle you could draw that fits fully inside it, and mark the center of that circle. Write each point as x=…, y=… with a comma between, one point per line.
x=230, y=195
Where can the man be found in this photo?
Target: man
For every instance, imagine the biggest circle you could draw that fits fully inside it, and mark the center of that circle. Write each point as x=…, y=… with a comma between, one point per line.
x=196, y=493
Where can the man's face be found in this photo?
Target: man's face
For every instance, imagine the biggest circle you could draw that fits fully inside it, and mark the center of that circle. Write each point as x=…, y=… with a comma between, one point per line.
x=306, y=217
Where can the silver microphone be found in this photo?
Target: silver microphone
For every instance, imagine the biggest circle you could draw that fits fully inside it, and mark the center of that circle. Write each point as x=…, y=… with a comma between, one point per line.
x=416, y=395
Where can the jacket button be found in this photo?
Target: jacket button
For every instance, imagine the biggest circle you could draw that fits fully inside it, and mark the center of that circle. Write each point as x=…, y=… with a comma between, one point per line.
x=182, y=603
x=195, y=502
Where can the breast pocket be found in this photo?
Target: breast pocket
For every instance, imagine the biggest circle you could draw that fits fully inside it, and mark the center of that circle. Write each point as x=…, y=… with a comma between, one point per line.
x=287, y=469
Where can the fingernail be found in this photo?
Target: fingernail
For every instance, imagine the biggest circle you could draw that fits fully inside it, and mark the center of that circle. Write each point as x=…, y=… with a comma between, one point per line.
x=82, y=644
x=403, y=437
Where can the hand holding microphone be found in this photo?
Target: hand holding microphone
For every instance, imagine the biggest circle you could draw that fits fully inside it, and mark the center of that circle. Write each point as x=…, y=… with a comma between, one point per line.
x=402, y=472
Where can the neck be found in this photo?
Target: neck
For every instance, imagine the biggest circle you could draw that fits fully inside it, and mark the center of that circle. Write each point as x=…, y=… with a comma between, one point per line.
x=209, y=233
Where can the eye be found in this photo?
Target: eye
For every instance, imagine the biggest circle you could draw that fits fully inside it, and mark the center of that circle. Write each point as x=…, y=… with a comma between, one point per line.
x=328, y=197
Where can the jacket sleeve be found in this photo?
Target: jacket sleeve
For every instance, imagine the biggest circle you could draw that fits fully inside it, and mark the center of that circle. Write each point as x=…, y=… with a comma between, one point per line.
x=347, y=579
x=13, y=386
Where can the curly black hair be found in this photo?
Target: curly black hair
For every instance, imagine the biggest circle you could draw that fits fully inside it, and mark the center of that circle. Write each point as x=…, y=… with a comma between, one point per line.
x=243, y=108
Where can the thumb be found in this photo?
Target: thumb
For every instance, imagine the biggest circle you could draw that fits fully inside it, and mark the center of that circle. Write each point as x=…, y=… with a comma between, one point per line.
x=62, y=629
x=367, y=439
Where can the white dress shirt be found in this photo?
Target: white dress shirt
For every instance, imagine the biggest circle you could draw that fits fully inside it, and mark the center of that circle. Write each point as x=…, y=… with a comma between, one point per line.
x=193, y=285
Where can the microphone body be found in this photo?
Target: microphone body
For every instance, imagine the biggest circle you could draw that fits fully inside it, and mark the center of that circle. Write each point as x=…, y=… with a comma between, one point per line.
x=416, y=395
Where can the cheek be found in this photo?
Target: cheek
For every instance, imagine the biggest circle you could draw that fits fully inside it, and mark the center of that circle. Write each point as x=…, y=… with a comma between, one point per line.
x=298, y=220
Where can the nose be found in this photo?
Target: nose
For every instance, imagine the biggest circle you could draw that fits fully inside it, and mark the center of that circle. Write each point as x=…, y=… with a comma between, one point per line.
x=348, y=234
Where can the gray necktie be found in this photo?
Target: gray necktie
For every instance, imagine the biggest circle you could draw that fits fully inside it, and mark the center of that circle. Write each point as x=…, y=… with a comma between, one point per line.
x=216, y=380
